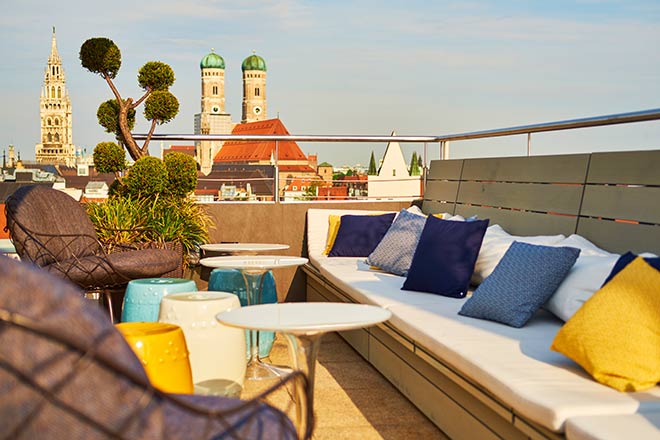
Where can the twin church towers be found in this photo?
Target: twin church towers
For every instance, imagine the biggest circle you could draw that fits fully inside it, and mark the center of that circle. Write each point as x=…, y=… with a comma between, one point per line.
x=213, y=119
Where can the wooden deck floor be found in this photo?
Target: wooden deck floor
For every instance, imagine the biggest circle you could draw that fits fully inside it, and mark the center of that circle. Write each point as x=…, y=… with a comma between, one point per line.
x=352, y=399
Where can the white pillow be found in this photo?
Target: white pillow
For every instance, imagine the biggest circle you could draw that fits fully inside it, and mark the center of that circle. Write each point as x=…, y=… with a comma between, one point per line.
x=587, y=248
x=444, y=216
x=414, y=209
x=495, y=244
x=585, y=277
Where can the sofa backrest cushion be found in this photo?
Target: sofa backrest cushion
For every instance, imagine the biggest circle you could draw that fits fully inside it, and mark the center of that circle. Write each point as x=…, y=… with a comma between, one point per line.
x=358, y=235
x=444, y=259
x=522, y=281
x=615, y=335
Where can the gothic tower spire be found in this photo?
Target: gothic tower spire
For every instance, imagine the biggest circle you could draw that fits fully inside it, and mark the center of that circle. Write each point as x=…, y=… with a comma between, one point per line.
x=56, y=144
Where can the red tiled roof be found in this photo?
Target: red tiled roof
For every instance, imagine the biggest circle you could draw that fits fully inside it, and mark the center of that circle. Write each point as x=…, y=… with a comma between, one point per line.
x=297, y=169
x=253, y=151
x=335, y=192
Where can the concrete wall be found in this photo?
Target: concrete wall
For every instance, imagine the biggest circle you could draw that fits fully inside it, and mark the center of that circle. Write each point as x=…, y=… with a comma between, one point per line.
x=276, y=223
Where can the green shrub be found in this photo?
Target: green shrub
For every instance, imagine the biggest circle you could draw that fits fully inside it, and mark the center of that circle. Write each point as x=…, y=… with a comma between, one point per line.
x=181, y=174
x=146, y=178
x=119, y=220
x=109, y=157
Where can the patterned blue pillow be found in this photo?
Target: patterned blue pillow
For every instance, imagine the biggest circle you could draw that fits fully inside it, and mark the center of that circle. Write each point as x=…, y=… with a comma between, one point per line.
x=523, y=280
x=395, y=251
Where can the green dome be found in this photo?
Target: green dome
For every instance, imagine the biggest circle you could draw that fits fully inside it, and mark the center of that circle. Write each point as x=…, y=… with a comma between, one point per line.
x=253, y=62
x=212, y=61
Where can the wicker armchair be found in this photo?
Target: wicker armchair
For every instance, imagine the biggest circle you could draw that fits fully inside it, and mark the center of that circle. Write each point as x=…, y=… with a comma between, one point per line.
x=67, y=373
x=52, y=230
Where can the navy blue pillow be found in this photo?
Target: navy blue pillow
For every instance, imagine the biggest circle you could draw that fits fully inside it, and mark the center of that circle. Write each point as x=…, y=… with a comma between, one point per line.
x=358, y=235
x=625, y=259
x=523, y=280
x=445, y=256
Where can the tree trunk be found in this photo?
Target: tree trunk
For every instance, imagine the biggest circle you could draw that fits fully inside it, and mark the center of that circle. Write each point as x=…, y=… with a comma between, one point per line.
x=132, y=147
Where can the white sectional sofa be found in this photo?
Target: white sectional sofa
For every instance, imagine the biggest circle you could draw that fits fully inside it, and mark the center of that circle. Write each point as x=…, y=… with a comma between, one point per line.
x=476, y=378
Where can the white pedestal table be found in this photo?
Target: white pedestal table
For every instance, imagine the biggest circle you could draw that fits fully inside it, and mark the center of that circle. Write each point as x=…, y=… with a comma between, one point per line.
x=303, y=325
x=253, y=269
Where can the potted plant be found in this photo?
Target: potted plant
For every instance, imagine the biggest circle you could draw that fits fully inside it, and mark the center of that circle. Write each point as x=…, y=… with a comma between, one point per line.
x=150, y=204
x=150, y=201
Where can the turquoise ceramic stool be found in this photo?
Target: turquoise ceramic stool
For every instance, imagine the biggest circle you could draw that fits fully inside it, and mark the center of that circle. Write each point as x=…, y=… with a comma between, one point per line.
x=231, y=280
x=142, y=298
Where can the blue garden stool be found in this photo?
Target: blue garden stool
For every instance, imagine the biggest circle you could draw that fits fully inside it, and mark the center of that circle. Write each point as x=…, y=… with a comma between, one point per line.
x=143, y=296
x=231, y=280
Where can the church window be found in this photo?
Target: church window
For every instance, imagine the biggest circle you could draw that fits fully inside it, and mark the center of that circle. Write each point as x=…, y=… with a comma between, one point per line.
x=215, y=90
x=256, y=91
x=52, y=91
x=53, y=70
x=57, y=137
x=295, y=188
x=59, y=92
x=50, y=137
x=57, y=121
x=393, y=173
x=48, y=122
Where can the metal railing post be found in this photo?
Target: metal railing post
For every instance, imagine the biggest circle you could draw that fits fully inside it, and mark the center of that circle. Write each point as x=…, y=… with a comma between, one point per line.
x=277, y=172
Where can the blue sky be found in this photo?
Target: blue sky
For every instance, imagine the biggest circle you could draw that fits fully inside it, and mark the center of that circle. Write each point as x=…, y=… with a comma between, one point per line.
x=358, y=67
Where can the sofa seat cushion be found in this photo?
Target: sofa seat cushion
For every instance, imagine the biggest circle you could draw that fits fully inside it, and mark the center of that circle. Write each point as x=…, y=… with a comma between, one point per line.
x=516, y=365
x=638, y=426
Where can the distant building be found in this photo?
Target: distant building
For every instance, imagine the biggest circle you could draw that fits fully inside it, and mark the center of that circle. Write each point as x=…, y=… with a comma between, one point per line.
x=292, y=162
x=325, y=171
x=237, y=182
x=213, y=119
x=393, y=180
x=56, y=142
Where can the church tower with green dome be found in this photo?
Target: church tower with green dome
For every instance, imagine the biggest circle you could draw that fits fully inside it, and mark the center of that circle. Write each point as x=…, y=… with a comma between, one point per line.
x=56, y=143
x=254, y=89
x=212, y=119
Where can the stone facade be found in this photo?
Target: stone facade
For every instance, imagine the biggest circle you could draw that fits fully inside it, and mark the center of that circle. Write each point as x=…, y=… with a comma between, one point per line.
x=56, y=142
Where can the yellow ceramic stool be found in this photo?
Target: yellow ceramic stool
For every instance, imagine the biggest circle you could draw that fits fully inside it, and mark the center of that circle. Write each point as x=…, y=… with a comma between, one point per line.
x=163, y=352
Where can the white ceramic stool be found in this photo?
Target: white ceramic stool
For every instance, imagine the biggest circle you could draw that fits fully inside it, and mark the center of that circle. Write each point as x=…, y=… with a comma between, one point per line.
x=217, y=352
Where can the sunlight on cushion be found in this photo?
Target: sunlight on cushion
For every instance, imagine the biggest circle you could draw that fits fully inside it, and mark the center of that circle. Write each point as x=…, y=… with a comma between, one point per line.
x=615, y=335
x=333, y=228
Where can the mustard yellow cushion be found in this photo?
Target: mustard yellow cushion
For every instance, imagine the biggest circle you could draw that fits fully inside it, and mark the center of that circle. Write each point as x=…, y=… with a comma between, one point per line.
x=615, y=335
x=333, y=227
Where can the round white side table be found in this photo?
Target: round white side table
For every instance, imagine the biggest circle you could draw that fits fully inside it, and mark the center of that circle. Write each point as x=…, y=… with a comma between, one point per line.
x=303, y=325
x=253, y=269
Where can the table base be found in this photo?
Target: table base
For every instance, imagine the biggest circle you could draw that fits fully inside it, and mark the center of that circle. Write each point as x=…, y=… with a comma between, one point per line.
x=258, y=370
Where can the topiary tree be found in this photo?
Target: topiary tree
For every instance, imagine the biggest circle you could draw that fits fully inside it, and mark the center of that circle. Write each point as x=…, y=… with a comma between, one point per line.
x=181, y=174
x=102, y=56
x=110, y=158
x=147, y=178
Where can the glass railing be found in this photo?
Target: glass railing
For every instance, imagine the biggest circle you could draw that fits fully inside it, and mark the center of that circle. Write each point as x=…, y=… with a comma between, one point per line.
x=272, y=182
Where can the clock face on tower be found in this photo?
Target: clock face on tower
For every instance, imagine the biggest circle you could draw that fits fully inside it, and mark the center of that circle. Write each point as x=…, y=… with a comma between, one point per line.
x=215, y=109
x=257, y=110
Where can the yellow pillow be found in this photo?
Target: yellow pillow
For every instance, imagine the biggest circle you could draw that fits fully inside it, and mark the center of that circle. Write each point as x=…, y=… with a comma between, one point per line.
x=333, y=228
x=615, y=335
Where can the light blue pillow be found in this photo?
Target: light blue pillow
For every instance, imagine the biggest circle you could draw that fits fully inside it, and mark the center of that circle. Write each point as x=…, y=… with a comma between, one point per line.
x=521, y=283
x=395, y=251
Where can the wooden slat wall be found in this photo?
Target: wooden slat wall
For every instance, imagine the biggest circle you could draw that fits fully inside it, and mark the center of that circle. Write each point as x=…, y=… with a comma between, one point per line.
x=442, y=186
x=566, y=168
x=519, y=193
x=623, y=188
x=548, y=195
